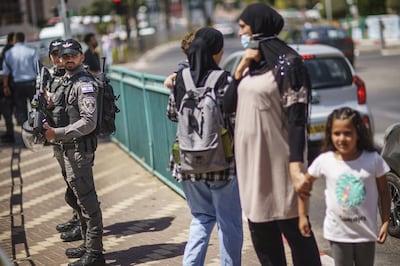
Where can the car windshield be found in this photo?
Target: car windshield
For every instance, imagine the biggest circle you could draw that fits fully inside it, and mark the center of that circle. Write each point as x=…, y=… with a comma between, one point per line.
x=328, y=72
x=329, y=33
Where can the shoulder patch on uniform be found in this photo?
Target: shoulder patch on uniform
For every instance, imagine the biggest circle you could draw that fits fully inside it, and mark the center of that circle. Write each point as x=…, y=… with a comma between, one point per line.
x=89, y=104
x=87, y=88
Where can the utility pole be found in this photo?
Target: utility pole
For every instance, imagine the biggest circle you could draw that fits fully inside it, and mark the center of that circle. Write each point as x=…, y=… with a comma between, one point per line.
x=328, y=8
x=62, y=11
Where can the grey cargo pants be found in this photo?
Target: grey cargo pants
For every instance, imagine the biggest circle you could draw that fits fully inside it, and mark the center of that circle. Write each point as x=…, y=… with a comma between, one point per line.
x=70, y=198
x=79, y=170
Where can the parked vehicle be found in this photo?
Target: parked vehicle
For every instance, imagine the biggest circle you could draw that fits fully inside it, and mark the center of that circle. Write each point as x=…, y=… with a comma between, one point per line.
x=391, y=154
x=226, y=26
x=334, y=85
x=324, y=34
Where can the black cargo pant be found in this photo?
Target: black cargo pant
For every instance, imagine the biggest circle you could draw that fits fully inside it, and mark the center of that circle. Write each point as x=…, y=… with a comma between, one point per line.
x=22, y=91
x=6, y=109
x=79, y=170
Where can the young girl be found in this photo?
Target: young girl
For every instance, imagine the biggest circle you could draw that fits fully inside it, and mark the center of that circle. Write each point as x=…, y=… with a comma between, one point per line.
x=355, y=184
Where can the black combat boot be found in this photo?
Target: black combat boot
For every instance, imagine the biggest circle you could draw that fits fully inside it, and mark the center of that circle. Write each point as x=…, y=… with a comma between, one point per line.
x=75, y=253
x=89, y=259
x=73, y=234
x=74, y=221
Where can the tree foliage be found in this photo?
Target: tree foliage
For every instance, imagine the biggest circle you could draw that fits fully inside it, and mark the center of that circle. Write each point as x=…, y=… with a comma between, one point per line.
x=97, y=8
x=371, y=7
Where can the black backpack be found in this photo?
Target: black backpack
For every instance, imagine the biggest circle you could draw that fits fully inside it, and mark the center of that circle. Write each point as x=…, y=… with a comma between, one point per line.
x=107, y=107
x=106, y=103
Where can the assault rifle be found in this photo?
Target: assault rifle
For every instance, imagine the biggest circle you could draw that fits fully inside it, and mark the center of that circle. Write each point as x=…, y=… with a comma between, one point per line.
x=39, y=114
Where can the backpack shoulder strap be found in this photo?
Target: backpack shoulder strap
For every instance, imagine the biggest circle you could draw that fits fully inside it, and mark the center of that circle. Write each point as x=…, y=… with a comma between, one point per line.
x=213, y=78
x=187, y=79
x=211, y=81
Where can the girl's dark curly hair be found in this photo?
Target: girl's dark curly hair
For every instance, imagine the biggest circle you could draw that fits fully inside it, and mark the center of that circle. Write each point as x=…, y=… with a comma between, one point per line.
x=364, y=142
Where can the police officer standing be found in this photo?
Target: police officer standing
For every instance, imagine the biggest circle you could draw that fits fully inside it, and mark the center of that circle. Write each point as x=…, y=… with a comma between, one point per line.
x=71, y=230
x=20, y=71
x=78, y=141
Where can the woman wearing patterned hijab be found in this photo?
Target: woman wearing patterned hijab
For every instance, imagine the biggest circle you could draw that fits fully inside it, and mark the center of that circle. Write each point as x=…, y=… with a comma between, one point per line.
x=212, y=196
x=270, y=95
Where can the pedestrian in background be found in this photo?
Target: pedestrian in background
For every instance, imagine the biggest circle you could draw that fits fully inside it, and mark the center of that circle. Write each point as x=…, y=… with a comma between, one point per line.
x=71, y=230
x=92, y=58
x=79, y=142
x=213, y=197
x=6, y=101
x=270, y=95
x=20, y=68
x=355, y=178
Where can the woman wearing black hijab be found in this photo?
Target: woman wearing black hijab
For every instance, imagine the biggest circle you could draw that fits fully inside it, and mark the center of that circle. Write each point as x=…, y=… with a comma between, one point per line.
x=270, y=95
x=213, y=197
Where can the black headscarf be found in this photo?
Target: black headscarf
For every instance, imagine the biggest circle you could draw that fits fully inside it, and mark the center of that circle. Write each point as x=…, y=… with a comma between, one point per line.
x=262, y=19
x=266, y=24
x=206, y=43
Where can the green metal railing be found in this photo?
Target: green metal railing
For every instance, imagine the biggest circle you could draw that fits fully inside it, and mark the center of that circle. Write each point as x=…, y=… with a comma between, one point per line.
x=143, y=129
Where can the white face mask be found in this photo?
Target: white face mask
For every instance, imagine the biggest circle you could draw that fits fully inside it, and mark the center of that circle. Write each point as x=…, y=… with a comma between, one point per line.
x=245, y=40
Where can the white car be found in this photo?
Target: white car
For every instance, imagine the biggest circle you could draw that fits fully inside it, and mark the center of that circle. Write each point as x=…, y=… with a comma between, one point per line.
x=334, y=85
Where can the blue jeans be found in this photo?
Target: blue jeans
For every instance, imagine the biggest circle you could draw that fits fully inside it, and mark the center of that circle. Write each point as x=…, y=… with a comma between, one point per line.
x=210, y=203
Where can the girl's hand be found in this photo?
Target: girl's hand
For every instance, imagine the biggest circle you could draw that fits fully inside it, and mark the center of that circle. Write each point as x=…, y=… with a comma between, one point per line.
x=383, y=232
x=304, y=226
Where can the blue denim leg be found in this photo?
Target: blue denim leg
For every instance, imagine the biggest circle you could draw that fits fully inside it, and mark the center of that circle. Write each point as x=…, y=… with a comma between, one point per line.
x=230, y=223
x=210, y=203
x=198, y=197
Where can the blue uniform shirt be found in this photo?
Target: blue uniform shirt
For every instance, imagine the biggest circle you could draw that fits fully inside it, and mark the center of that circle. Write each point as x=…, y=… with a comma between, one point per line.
x=21, y=62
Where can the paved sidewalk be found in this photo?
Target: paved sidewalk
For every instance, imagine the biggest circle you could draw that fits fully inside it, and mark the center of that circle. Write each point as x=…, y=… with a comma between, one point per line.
x=145, y=222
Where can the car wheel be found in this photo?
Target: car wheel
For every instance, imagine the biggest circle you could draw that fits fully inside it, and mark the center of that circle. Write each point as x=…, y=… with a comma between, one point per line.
x=394, y=189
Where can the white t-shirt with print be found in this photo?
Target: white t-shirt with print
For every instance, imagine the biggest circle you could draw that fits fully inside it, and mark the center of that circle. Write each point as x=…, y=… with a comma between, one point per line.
x=351, y=195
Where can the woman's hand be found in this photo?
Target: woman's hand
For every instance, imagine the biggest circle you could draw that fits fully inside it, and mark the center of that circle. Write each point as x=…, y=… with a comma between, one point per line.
x=302, y=182
x=303, y=185
x=249, y=55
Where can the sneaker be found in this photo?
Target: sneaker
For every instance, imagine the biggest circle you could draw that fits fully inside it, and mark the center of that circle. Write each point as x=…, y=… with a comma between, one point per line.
x=73, y=234
x=75, y=253
x=89, y=259
x=68, y=225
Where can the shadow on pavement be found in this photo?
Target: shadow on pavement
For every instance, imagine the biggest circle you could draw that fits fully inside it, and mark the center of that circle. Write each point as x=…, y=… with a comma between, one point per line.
x=17, y=218
x=145, y=253
x=139, y=226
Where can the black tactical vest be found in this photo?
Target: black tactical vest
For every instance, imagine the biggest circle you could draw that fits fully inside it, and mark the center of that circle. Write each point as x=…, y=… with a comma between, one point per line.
x=56, y=88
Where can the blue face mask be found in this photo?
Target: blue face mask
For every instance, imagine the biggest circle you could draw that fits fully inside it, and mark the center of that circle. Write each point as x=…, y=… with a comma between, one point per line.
x=245, y=40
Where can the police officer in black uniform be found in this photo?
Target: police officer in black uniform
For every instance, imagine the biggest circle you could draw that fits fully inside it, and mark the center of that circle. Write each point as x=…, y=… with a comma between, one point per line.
x=71, y=230
x=79, y=142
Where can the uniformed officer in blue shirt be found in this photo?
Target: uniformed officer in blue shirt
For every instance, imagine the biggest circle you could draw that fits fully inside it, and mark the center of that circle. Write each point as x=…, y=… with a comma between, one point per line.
x=20, y=62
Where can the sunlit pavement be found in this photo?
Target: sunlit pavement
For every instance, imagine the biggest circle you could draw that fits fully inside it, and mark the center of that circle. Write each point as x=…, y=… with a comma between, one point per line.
x=145, y=222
